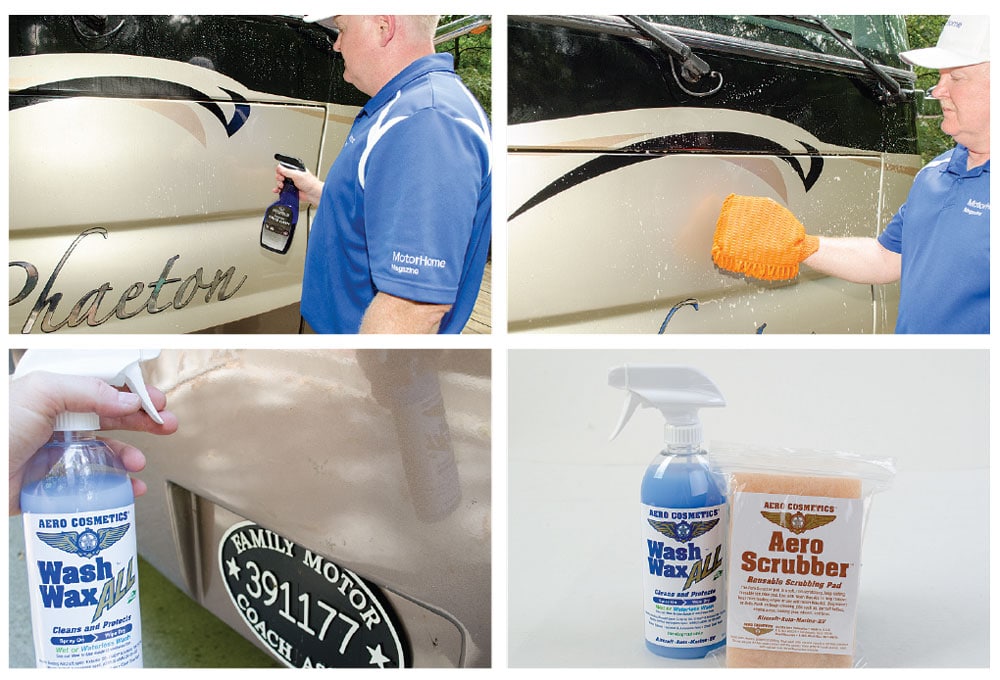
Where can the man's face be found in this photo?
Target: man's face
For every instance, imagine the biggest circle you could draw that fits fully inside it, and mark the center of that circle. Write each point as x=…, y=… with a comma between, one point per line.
x=964, y=94
x=357, y=40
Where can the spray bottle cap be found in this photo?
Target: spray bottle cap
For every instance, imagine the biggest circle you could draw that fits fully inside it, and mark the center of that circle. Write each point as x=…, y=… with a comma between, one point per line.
x=677, y=391
x=117, y=367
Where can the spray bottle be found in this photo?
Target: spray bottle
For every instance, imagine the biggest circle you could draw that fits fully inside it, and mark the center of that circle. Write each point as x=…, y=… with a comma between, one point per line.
x=280, y=218
x=684, y=514
x=79, y=526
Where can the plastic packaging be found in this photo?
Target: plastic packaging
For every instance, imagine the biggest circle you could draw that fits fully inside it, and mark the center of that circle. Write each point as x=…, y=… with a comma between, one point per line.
x=684, y=514
x=798, y=520
x=79, y=527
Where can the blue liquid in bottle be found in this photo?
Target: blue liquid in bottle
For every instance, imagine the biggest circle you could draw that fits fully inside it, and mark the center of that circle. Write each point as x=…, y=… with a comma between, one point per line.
x=75, y=472
x=679, y=478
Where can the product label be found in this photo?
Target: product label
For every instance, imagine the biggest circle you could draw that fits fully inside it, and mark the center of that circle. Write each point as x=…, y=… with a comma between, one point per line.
x=83, y=581
x=683, y=579
x=279, y=219
x=794, y=573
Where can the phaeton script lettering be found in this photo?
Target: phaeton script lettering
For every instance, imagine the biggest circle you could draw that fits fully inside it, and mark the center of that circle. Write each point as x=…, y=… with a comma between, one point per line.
x=157, y=296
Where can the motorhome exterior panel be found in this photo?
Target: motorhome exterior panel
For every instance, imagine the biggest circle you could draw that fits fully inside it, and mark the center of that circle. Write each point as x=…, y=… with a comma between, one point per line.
x=618, y=166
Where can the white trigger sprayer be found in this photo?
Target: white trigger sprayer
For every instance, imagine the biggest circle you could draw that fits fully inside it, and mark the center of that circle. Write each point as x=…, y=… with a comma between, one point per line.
x=676, y=391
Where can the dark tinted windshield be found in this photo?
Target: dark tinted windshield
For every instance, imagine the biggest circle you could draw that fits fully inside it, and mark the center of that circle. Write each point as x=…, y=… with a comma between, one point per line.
x=277, y=55
x=879, y=37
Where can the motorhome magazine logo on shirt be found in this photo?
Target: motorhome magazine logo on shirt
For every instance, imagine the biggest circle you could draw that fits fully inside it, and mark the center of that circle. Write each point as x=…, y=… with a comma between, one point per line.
x=405, y=263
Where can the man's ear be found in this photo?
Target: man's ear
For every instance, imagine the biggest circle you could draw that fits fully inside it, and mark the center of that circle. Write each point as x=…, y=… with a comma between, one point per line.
x=386, y=24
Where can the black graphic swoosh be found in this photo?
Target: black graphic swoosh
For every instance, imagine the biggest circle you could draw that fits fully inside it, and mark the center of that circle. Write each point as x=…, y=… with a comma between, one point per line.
x=134, y=87
x=690, y=142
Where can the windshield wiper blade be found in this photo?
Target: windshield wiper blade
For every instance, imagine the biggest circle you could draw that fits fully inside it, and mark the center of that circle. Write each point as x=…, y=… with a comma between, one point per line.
x=891, y=91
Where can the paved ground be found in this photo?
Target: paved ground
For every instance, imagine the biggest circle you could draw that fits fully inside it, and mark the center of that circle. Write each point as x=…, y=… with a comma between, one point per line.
x=177, y=632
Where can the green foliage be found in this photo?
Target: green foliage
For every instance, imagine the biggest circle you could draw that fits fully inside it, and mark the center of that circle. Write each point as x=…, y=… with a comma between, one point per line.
x=473, y=54
x=922, y=30
x=931, y=141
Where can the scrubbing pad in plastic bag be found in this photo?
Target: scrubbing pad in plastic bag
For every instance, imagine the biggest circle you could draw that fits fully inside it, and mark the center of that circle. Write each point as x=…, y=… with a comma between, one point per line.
x=760, y=238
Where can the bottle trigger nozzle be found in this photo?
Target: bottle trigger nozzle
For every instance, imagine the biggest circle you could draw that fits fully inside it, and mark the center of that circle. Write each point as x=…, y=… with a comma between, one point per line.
x=676, y=391
x=132, y=378
x=628, y=409
x=117, y=367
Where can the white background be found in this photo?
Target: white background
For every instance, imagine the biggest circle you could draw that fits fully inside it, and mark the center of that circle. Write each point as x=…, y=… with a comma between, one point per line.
x=574, y=555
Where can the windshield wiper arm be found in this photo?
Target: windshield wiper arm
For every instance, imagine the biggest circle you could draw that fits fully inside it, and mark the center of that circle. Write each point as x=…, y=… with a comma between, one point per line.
x=693, y=67
x=891, y=91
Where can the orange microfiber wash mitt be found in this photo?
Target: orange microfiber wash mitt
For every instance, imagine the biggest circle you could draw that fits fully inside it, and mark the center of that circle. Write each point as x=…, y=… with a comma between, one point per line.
x=760, y=238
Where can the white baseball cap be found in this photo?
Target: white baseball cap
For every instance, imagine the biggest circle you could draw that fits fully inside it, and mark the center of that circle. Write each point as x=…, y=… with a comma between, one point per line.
x=964, y=41
x=321, y=19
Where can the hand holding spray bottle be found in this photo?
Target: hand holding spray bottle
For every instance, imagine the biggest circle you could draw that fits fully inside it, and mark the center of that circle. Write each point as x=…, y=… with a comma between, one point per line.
x=79, y=526
x=684, y=514
x=280, y=218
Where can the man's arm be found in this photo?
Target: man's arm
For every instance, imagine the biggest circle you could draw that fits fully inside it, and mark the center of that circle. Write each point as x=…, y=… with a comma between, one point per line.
x=391, y=314
x=859, y=260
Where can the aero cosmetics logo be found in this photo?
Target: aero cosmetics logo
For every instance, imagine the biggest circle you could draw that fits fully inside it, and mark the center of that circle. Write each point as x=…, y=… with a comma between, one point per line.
x=797, y=523
x=86, y=543
x=682, y=531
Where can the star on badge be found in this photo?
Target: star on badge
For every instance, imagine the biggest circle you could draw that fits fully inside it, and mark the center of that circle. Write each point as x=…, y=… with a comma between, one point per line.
x=377, y=656
x=234, y=569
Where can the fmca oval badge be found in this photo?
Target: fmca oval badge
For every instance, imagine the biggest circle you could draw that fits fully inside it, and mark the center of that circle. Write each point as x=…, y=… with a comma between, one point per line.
x=310, y=612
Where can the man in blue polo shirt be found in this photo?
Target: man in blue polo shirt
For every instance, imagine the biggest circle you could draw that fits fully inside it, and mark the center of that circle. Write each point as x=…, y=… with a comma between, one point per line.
x=402, y=228
x=938, y=244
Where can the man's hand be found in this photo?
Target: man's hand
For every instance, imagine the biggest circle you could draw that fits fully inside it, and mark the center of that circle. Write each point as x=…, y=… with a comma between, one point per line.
x=36, y=400
x=391, y=314
x=310, y=187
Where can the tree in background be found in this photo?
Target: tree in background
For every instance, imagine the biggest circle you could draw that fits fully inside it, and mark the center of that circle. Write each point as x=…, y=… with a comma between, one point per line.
x=922, y=30
x=473, y=54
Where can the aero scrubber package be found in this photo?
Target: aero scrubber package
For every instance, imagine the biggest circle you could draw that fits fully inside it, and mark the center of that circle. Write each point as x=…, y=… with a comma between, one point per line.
x=797, y=524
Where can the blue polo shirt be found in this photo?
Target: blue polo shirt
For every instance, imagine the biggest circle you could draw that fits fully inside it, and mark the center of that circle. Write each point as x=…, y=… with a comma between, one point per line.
x=405, y=208
x=943, y=235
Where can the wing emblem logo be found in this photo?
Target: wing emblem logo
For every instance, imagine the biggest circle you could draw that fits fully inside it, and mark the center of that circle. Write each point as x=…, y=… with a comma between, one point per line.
x=682, y=532
x=86, y=543
x=797, y=523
